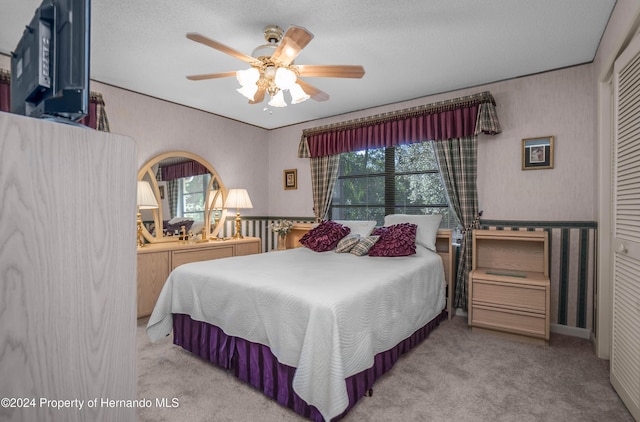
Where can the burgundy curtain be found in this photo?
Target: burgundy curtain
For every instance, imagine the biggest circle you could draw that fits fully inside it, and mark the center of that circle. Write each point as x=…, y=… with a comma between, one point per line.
x=91, y=119
x=451, y=119
x=186, y=169
x=459, y=123
x=5, y=91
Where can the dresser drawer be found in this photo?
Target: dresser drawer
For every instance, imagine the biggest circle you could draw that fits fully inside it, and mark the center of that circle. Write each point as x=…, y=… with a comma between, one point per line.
x=247, y=248
x=509, y=321
x=184, y=257
x=524, y=297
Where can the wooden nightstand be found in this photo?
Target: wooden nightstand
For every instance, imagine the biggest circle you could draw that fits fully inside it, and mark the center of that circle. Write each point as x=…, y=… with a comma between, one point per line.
x=509, y=287
x=297, y=231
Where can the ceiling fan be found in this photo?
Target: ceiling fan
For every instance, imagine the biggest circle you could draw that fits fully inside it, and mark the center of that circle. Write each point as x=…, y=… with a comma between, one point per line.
x=272, y=69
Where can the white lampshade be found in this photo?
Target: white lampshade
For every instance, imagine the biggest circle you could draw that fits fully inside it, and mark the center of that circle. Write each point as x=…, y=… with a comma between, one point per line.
x=248, y=76
x=285, y=78
x=215, y=200
x=249, y=91
x=297, y=94
x=277, y=100
x=238, y=198
x=146, y=198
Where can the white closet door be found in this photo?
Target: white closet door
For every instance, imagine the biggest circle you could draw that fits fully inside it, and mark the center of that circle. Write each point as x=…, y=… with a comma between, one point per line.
x=625, y=346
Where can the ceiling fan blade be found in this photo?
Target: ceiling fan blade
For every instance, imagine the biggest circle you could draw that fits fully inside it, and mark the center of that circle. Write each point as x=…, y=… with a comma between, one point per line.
x=313, y=92
x=331, y=71
x=295, y=39
x=259, y=97
x=220, y=47
x=211, y=76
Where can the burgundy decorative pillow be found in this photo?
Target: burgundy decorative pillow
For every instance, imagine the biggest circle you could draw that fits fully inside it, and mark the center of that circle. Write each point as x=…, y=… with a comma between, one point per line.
x=396, y=240
x=325, y=237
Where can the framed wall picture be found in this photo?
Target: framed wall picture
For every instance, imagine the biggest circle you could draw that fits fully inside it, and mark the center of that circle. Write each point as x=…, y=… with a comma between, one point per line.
x=290, y=179
x=537, y=153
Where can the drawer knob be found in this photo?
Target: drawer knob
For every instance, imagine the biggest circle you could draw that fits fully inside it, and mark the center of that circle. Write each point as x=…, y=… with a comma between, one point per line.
x=621, y=248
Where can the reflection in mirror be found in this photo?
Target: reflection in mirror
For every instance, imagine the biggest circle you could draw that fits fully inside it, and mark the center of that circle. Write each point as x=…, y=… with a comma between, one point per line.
x=189, y=193
x=215, y=208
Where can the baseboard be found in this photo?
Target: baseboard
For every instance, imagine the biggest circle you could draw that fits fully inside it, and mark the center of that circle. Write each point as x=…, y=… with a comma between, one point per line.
x=571, y=331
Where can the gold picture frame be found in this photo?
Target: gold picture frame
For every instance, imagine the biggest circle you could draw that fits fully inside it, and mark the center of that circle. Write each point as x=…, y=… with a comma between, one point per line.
x=291, y=179
x=537, y=153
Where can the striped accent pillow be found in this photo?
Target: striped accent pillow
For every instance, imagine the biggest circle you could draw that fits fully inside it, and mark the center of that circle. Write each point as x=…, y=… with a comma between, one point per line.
x=363, y=246
x=347, y=243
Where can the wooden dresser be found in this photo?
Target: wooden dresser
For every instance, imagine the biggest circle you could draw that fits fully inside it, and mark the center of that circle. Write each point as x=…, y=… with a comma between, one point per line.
x=157, y=260
x=509, y=288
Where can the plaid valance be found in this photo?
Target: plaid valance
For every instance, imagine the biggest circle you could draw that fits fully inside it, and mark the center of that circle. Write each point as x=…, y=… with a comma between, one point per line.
x=456, y=118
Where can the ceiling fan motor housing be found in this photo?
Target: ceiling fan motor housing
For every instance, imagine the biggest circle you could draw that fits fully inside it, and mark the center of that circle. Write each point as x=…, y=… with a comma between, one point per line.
x=273, y=35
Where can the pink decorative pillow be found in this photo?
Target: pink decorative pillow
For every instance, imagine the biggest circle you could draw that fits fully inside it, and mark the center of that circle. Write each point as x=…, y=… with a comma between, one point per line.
x=325, y=237
x=396, y=240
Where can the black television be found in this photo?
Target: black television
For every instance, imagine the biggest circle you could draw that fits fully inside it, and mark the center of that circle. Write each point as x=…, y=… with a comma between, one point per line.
x=50, y=65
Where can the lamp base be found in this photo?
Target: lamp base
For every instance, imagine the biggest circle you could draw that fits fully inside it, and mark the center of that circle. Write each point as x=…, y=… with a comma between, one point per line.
x=238, y=234
x=140, y=238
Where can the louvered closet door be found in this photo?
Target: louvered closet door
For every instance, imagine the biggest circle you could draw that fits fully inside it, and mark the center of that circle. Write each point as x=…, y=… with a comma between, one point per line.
x=625, y=346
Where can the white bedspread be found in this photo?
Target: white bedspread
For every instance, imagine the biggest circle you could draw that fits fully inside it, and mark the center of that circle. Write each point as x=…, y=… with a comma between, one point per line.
x=326, y=314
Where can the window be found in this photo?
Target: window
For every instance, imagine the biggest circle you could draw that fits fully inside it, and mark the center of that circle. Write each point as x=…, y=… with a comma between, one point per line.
x=192, y=193
x=403, y=179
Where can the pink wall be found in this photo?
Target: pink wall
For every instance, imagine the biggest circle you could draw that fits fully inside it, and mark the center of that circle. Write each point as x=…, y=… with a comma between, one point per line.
x=560, y=103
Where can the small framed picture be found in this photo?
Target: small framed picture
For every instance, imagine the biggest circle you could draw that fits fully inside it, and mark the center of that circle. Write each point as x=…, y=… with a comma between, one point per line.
x=291, y=179
x=537, y=153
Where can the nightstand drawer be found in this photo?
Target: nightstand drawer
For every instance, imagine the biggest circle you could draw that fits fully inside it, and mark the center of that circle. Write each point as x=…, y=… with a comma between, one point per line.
x=510, y=321
x=523, y=297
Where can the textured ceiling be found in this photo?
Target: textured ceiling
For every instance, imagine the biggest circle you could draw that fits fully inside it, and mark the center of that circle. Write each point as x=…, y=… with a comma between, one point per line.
x=409, y=48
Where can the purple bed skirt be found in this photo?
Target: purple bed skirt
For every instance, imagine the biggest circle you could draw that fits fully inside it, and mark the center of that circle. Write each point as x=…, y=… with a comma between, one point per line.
x=255, y=364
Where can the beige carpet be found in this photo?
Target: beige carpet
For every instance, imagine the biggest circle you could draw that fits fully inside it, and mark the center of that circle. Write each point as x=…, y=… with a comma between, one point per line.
x=454, y=375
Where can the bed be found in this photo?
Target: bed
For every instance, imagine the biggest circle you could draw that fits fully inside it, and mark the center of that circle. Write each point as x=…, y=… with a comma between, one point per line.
x=312, y=330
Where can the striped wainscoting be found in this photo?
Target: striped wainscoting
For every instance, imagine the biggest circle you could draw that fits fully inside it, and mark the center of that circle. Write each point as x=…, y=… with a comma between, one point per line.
x=572, y=270
x=260, y=227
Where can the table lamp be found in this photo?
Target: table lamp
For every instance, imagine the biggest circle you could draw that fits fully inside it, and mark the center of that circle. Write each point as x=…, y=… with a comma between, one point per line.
x=146, y=201
x=238, y=198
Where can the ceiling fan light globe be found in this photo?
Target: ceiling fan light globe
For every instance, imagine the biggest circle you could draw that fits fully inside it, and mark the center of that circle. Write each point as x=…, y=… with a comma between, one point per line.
x=297, y=94
x=277, y=100
x=248, y=76
x=248, y=91
x=270, y=72
x=285, y=78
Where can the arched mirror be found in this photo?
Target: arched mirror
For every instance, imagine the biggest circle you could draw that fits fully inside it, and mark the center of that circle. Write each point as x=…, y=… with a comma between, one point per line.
x=190, y=197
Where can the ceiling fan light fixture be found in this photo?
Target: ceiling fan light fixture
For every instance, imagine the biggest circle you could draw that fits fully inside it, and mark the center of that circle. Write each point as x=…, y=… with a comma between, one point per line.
x=273, y=70
x=248, y=91
x=277, y=100
x=297, y=94
x=248, y=76
x=285, y=78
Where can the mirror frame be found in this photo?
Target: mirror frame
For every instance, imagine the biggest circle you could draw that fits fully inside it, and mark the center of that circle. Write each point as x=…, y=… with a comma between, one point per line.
x=147, y=169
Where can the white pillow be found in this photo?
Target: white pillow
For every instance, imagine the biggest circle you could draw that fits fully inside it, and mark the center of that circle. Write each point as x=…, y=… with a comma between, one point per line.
x=428, y=226
x=362, y=228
